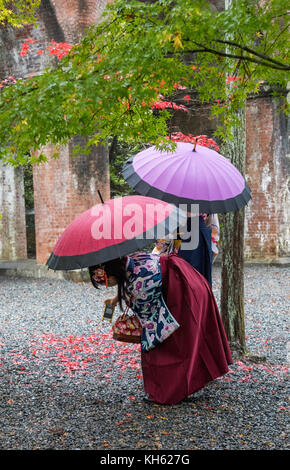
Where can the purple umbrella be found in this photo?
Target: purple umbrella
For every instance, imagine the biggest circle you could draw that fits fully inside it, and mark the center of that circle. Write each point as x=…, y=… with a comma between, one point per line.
x=191, y=174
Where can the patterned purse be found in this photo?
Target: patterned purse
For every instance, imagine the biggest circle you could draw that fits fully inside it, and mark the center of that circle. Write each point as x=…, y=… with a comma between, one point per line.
x=127, y=328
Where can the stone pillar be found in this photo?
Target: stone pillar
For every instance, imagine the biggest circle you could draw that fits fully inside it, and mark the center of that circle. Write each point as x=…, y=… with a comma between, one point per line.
x=75, y=16
x=267, y=169
x=66, y=187
x=12, y=204
x=63, y=189
x=12, y=210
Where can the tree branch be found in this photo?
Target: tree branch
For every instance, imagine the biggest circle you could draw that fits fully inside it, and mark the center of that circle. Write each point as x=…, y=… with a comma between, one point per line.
x=235, y=56
x=251, y=51
x=281, y=32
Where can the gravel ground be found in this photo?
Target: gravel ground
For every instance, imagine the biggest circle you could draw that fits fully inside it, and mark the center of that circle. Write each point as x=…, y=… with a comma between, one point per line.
x=66, y=385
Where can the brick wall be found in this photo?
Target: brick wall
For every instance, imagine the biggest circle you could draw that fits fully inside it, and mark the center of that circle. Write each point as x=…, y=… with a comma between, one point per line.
x=267, y=168
x=64, y=188
x=75, y=16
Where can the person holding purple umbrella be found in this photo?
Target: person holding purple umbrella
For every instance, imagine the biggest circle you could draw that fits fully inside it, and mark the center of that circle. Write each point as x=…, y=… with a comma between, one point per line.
x=183, y=342
x=203, y=256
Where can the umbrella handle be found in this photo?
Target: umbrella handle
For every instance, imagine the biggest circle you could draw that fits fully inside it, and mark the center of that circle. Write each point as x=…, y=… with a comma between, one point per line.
x=101, y=197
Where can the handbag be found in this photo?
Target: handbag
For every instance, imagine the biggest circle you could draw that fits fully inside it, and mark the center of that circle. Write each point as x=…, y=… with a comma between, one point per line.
x=127, y=328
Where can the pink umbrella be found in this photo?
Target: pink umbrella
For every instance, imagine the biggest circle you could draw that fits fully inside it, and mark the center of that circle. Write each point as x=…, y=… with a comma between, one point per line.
x=191, y=174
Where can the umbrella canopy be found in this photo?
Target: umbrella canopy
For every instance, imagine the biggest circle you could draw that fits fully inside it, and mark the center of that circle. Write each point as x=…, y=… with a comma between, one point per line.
x=113, y=229
x=191, y=174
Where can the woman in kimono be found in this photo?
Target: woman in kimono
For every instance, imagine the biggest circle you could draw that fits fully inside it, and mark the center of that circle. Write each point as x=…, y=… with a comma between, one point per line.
x=183, y=342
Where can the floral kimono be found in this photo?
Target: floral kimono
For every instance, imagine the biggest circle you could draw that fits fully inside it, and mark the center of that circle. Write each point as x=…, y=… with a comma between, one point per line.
x=146, y=300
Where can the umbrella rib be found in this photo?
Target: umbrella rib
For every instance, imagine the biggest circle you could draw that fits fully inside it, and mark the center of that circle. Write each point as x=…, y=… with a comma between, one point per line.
x=218, y=170
x=181, y=163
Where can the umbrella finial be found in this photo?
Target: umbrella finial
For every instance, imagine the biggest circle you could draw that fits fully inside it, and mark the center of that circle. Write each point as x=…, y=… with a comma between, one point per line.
x=101, y=197
x=195, y=143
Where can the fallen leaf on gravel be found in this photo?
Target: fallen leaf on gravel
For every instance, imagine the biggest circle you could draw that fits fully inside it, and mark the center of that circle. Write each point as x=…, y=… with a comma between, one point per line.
x=56, y=431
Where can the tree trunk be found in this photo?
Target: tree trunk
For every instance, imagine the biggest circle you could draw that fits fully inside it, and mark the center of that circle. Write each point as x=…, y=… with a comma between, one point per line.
x=232, y=282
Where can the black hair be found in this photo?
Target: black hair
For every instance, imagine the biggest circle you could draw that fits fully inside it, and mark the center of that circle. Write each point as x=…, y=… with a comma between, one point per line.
x=116, y=268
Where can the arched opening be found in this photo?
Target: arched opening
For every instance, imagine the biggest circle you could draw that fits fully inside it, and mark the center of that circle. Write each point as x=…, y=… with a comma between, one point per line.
x=29, y=211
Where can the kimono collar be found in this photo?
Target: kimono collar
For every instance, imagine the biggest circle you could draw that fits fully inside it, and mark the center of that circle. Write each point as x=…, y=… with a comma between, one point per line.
x=130, y=265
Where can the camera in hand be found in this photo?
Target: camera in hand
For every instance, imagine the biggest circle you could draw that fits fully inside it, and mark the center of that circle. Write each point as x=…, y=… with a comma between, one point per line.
x=108, y=312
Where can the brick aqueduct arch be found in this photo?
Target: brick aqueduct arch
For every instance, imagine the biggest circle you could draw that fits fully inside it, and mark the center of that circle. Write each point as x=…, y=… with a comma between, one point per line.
x=65, y=187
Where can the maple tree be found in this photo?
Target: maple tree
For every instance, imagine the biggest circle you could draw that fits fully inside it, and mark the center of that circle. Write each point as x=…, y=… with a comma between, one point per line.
x=107, y=83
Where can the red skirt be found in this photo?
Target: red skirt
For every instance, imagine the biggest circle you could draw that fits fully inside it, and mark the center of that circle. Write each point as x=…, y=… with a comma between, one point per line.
x=198, y=351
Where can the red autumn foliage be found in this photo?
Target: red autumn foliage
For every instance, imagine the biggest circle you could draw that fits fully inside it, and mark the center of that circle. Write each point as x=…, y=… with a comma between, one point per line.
x=167, y=104
x=203, y=140
x=59, y=49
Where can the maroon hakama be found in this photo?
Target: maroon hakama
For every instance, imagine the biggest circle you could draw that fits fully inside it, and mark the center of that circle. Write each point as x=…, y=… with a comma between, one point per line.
x=198, y=351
